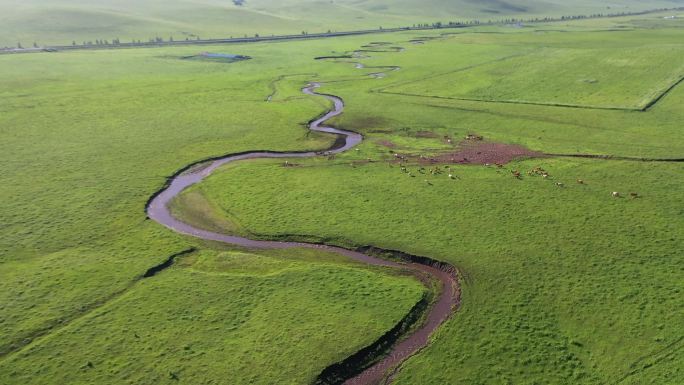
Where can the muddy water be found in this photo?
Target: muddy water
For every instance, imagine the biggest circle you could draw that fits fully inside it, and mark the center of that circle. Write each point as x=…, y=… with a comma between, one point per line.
x=444, y=305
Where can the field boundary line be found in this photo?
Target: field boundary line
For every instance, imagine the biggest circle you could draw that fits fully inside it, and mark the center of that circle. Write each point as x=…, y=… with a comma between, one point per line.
x=653, y=102
x=384, y=88
x=617, y=157
x=520, y=102
x=666, y=90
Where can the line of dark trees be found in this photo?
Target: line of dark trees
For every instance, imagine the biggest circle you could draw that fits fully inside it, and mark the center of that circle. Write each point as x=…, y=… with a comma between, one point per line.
x=435, y=25
x=117, y=41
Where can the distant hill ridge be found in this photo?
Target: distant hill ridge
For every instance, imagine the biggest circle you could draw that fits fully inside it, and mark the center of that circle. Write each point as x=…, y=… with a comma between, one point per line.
x=61, y=22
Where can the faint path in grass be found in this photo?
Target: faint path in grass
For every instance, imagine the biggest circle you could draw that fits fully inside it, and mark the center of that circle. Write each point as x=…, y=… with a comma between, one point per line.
x=372, y=363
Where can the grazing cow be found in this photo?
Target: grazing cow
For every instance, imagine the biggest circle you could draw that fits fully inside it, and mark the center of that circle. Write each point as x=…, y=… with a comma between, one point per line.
x=580, y=181
x=616, y=194
x=559, y=184
x=634, y=195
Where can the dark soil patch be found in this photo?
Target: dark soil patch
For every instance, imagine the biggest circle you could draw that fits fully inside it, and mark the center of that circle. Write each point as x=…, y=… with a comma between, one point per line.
x=484, y=153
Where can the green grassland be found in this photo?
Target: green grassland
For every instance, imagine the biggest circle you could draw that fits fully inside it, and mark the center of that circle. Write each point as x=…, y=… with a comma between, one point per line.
x=63, y=21
x=250, y=318
x=561, y=285
x=599, y=78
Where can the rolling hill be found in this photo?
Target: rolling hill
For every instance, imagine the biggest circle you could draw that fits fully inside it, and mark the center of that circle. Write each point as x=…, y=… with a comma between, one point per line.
x=64, y=21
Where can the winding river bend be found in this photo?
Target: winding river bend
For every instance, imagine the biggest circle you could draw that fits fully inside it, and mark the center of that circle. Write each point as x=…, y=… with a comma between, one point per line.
x=362, y=368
